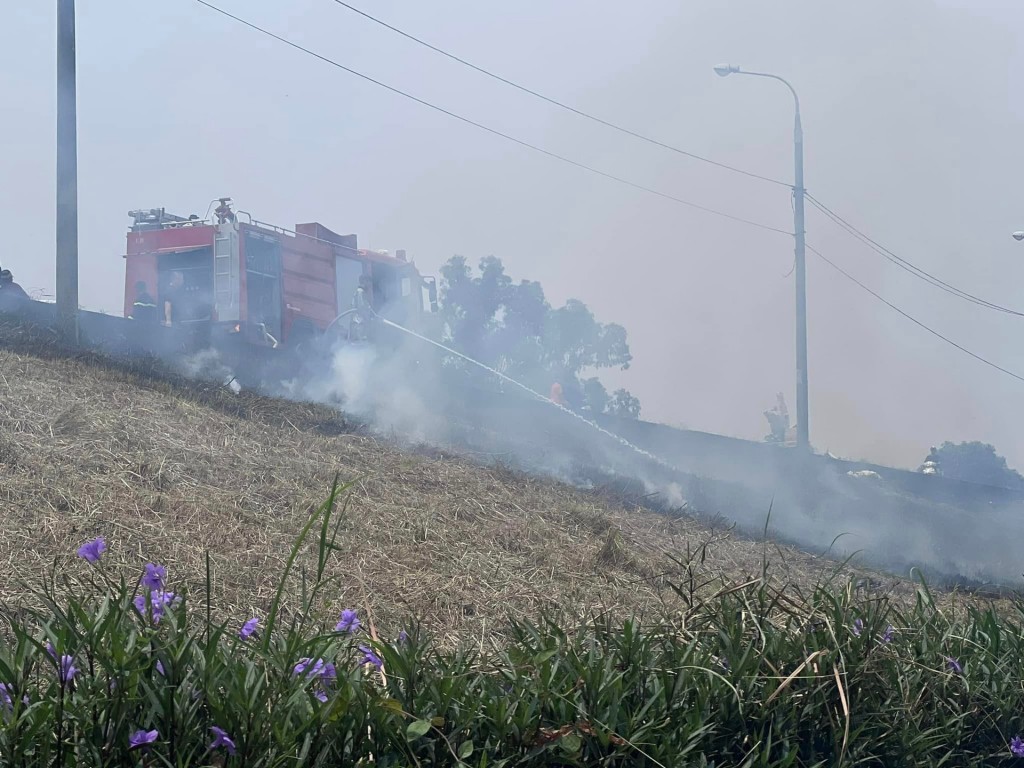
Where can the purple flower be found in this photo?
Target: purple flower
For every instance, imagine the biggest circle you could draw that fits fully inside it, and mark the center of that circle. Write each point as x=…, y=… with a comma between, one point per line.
x=160, y=668
x=349, y=622
x=890, y=632
x=1017, y=746
x=954, y=666
x=324, y=670
x=369, y=657
x=403, y=637
x=221, y=739
x=158, y=603
x=154, y=578
x=858, y=626
x=724, y=663
x=248, y=628
x=327, y=676
x=67, y=669
x=311, y=668
x=6, y=700
x=142, y=739
x=93, y=550
x=139, y=603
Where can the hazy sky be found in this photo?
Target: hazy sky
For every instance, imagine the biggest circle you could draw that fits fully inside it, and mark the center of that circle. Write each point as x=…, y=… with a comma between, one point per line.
x=913, y=132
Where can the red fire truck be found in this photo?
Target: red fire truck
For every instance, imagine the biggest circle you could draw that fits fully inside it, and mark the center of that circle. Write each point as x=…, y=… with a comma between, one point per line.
x=231, y=275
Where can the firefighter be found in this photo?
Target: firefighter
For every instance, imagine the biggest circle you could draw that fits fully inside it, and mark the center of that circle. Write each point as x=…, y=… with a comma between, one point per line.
x=358, y=330
x=144, y=308
x=12, y=295
x=556, y=395
x=173, y=298
x=778, y=420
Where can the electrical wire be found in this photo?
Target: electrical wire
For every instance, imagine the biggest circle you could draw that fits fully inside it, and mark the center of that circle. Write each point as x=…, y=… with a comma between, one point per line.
x=560, y=104
x=895, y=259
x=494, y=131
x=907, y=265
x=828, y=212
x=911, y=318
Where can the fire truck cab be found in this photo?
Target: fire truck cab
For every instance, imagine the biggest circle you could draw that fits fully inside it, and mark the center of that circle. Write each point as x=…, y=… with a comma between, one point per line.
x=267, y=285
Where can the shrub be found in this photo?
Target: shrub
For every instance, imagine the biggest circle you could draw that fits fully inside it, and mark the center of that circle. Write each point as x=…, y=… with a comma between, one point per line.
x=104, y=672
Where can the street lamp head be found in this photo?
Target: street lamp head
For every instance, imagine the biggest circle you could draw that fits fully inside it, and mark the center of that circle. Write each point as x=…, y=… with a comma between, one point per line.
x=723, y=70
x=1018, y=235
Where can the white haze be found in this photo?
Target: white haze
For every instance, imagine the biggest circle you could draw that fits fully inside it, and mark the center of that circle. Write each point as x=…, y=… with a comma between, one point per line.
x=912, y=119
x=372, y=386
x=416, y=396
x=913, y=129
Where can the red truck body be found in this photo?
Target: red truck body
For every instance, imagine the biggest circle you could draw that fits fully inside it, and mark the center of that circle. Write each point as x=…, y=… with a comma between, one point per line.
x=268, y=283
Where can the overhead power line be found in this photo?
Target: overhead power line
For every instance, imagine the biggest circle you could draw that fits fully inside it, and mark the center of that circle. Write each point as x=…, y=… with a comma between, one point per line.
x=493, y=131
x=894, y=258
x=560, y=104
x=888, y=254
x=835, y=217
x=911, y=318
x=908, y=266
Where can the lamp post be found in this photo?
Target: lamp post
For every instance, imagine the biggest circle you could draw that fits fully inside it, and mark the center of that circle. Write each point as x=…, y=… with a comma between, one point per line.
x=67, y=174
x=803, y=433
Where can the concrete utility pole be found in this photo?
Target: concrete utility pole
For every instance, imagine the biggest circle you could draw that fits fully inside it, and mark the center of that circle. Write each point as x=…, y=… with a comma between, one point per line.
x=802, y=426
x=67, y=173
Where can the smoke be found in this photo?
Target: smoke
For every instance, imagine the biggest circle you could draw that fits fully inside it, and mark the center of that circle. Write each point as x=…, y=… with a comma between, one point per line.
x=416, y=391
x=890, y=519
x=376, y=387
x=885, y=518
x=208, y=364
x=413, y=392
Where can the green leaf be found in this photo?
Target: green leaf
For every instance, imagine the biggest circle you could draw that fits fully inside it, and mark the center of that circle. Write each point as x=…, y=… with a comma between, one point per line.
x=465, y=750
x=571, y=743
x=437, y=722
x=393, y=704
x=543, y=656
x=416, y=729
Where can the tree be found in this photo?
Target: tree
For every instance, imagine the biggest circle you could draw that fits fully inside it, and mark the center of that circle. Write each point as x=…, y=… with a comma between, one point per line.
x=974, y=462
x=624, y=404
x=595, y=395
x=512, y=327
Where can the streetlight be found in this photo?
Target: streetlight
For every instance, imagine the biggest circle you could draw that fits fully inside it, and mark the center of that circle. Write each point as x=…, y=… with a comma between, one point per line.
x=1018, y=235
x=802, y=435
x=67, y=174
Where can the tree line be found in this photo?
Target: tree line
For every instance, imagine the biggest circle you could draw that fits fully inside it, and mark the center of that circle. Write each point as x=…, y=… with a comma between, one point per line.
x=512, y=327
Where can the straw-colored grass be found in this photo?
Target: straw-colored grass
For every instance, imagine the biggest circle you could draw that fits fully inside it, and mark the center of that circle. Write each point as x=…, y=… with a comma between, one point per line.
x=167, y=470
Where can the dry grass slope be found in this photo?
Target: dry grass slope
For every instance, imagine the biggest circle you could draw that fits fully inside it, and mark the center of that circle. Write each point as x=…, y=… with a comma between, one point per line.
x=167, y=470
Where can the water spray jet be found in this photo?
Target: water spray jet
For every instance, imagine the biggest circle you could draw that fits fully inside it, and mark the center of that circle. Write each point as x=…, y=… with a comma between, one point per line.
x=621, y=440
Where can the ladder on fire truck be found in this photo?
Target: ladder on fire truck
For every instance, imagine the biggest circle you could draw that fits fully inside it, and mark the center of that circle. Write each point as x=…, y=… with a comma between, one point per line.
x=223, y=272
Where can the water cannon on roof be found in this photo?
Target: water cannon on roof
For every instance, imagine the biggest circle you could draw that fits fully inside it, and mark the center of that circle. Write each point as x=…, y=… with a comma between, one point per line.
x=157, y=218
